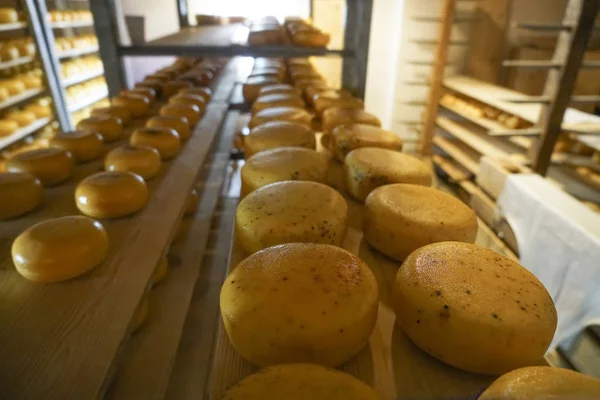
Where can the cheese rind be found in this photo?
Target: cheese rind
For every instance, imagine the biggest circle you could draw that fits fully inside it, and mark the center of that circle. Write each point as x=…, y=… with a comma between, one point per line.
x=291, y=114
x=275, y=134
x=111, y=128
x=165, y=140
x=83, y=145
x=141, y=160
x=346, y=138
x=50, y=165
x=19, y=194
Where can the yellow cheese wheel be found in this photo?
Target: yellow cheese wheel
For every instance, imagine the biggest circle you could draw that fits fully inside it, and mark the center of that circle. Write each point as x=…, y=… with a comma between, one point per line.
x=283, y=164
x=8, y=127
x=161, y=271
x=400, y=218
x=173, y=87
x=333, y=117
x=165, y=140
x=326, y=325
x=9, y=52
x=83, y=145
x=323, y=101
x=253, y=85
x=543, y=383
x=276, y=134
x=137, y=104
x=31, y=81
x=141, y=160
x=183, y=98
x=189, y=111
x=23, y=118
x=179, y=124
x=301, y=382
x=26, y=48
x=148, y=92
x=19, y=194
x=291, y=211
x=51, y=166
x=346, y=138
x=191, y=204
x=111, y=128
x=13, y=86
x=203, y=92
x=114, y=111
x=111, y=194
x=4, y=93
x=155, y=84
x=60, y=249
x=278, y=88
x=290, y=114
x=473, y=308
x=277, y=100
x=8, y=15
x=39, y=110
x=368, y=168
x=140, y=316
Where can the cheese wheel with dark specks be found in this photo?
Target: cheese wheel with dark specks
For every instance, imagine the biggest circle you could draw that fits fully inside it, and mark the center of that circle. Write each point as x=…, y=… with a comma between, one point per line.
x=137, y=104
x=348, y=137
x=272, y=135
x=333, y=117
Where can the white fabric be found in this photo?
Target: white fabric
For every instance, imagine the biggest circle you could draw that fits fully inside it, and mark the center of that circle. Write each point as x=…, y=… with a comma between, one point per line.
x=559, y=241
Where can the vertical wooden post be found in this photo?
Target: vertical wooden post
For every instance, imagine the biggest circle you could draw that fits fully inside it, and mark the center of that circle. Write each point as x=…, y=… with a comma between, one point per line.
x=356, y=37
x=570, y=50
x=437, y=75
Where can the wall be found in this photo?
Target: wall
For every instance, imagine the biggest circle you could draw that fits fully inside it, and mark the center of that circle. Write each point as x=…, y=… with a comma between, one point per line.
x=329, y=16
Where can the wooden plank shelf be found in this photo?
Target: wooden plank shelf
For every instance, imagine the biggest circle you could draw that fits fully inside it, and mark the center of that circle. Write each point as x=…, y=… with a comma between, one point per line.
x=460, y=152
x=79, y=78
x=15, y=62
x=21, y=97
x=90, y=100
x=71, y=24
x=77, y=52
x=23, y=132
x=64, y=338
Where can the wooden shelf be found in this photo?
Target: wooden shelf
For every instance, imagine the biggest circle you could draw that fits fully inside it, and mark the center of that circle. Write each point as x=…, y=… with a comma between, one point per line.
x=21, y=97
x=79, y=78
x=459, y=152
x=71, y=24
x=101, y=95
x=77, y=52
x=16, y=62
x=23, y=132
x=12, y=27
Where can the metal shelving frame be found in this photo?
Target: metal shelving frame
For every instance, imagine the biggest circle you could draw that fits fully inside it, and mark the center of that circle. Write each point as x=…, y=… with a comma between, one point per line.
x=355, y=51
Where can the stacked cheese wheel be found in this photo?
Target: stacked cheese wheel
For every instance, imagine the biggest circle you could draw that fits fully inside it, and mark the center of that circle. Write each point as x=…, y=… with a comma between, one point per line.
x=75, y=43
x=282, y=303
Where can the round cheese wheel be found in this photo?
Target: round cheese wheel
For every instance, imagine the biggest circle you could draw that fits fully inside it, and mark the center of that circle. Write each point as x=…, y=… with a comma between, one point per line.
x=8, y=15
x=8, y=127
x=158, y=76
x=141, y=160
x=368, y=168
x=137, y=104
x=278, y=88
x=473, y=308
x=346, y=138
x=143, y=91
x=301, y=382
x=542, y=383
x=291, y=211
x=26, y=48
x=203, y=92
x=111, y=128
x=326, y=325
x=60, y=249
x=161, y=271
x=111, y=194
x=19, y=194
x=39, y=110
x=277, y=100
x=253, y=85
x=333, y=117
x=4, y=93
x=290, y=114
x=13, y=86
x=179, y=124
x=51, y=166
x=154, y=84
x=276, y=134
x=23, y=118
x=400, y=218
x=83, y=145
x=31, y=82
x=114, y=111
x=191, y=204
x=173, y=87
x=189, y=111
x=9, y=52
x=283, y=164
x=323, y=101
x=140, y=316
x=165, y=140
x=183, y=98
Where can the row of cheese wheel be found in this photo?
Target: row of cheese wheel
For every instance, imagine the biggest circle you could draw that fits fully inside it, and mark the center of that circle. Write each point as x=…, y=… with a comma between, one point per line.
x=16, y=48
x=118, y=192
x=268, y=31
x=300, y=298
x=81, y=42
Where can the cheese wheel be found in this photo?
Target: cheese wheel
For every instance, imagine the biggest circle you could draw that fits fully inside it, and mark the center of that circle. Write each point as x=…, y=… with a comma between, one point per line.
x=253, y=85
x=4, y=93
x=141, y=160
x=114, y=111
x=346, y=138
x=31, y=82
x=111, y=194
x=203, y=92
x=278, y=88
x=191, y=204
x=473, y=308
x=291, y=114
x=165, y=140
x=25, y=48
x=368, y=168
x=275, y=72
x=83, y=145
x=334, y=99
x=8, y=15
x=39, y=110
x=333, y=117
x=8, y=127
x=313, y=38
x=173, y=87
x=13, y=86
x=143, y=91
x=283, y=164
x=160, y=272
x=111, y=128
x=276, y=134
x=263, y=35
x=137, y=104
x=543, y=383
x=60, y=249
x=19, y=194
x=400, y=218
x=277, y=100
x=189, y=111
x=326, y=325
x=23, y=118
x=9, y=52
x=51, y=165
x=183, y=98
x=179, y=124
x=154, y=84
x=140, y=316
x=301, y=382
x=291, y=211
